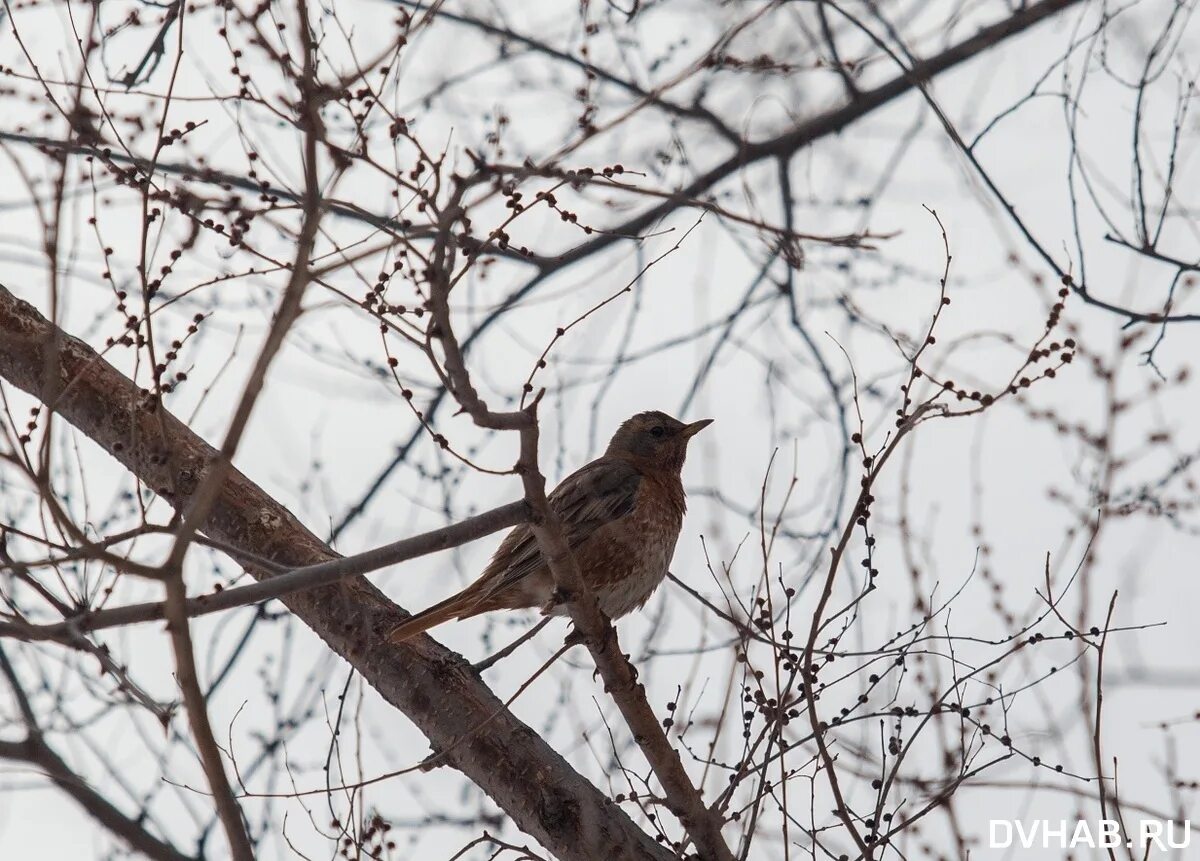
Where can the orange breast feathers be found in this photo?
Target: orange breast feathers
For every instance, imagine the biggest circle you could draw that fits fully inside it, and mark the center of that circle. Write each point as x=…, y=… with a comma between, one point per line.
x=625, y=561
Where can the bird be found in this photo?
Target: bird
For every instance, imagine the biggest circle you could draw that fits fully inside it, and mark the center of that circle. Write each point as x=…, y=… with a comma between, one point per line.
x=621, y=515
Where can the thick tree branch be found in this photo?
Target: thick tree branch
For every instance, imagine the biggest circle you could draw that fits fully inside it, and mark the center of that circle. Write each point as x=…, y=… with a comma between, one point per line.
x=434, y=687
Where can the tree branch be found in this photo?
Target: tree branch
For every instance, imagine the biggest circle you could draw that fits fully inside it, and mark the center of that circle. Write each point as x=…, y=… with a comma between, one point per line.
x=297, y=580
x=803, y=134
x=684, y=800
x=434, y=687
x=36, y=752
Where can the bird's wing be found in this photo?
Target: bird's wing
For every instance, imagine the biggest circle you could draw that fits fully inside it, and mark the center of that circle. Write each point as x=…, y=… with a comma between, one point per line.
x=598, y=493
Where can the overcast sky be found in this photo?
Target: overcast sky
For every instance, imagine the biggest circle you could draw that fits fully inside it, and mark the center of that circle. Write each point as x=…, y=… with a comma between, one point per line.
x=327, y=423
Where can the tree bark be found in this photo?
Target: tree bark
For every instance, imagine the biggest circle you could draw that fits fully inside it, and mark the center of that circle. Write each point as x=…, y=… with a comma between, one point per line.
x=435, y=687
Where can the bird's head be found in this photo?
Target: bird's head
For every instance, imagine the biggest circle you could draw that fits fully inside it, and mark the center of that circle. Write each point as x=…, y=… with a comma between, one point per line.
x=654, y=440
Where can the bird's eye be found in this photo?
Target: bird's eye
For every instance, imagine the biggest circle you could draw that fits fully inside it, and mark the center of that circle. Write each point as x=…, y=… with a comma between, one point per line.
x=657, y=430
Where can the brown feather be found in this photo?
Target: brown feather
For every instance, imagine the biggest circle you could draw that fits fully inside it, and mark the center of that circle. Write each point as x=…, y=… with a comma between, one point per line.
x=621, y=515
x=461, y=606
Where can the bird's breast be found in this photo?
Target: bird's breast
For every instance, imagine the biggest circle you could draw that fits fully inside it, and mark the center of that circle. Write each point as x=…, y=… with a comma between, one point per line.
x=628, y=559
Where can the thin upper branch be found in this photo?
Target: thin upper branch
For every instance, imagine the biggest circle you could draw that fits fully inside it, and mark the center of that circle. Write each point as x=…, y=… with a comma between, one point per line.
x=296, y=580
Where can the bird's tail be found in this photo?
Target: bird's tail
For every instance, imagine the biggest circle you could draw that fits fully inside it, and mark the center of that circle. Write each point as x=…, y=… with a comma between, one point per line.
x=457, y=606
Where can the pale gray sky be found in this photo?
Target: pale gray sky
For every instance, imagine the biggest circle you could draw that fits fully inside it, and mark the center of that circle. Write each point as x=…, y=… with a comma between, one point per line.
x=321, y=407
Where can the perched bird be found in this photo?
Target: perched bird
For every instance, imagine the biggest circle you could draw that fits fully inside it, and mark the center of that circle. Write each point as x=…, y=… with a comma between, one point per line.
x=621, y=514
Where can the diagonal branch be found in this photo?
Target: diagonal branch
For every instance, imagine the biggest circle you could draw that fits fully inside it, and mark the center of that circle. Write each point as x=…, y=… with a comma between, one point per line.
x=34, y=751
x=296, y=580
x=803, y=134
x=434, y=687
x=683, y=798
x=506, y=35
x=822, y=125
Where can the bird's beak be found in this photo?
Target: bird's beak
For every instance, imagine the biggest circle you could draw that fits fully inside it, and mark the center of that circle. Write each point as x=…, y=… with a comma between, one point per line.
x=694, y=428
